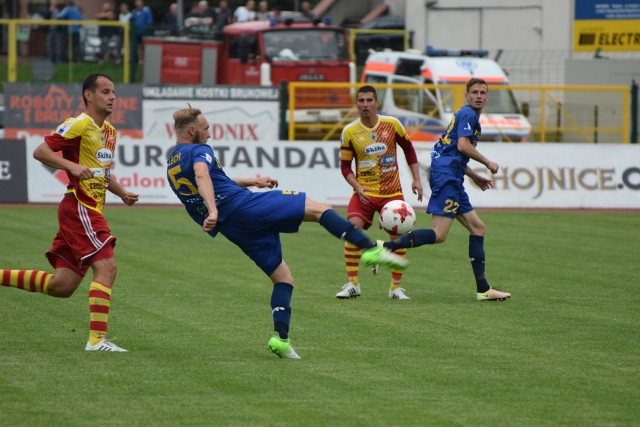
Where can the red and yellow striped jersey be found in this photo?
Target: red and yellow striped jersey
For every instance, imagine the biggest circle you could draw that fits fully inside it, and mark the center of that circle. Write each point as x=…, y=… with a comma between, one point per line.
x=82, y=141
x=375, y=153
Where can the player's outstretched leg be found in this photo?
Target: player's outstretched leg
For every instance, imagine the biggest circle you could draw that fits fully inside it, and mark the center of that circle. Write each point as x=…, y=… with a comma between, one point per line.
x=28, y=280
x=372, y=253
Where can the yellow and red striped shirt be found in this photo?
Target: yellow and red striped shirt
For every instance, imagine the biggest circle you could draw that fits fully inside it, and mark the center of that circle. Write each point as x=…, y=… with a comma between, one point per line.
x=82, y=141
x=375, y=153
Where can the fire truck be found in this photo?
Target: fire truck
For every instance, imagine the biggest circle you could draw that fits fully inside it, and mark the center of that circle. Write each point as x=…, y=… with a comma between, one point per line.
x=427, y=108
x=259, y=53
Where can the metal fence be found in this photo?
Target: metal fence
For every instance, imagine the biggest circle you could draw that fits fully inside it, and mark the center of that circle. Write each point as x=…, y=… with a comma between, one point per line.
x=590, y=114
x=41, y=43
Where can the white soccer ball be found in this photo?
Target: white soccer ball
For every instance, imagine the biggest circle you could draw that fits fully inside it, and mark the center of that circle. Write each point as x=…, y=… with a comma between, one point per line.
x=397, y=217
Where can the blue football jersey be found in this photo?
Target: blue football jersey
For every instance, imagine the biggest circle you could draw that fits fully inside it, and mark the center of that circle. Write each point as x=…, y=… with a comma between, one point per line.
x=445, y=156
x=181, y=175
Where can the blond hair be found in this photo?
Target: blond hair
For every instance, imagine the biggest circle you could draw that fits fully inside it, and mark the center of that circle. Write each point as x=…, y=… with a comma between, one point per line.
x=184, y=117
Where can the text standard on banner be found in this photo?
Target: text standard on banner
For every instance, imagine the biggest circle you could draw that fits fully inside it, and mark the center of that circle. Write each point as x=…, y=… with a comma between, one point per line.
x=567, y=176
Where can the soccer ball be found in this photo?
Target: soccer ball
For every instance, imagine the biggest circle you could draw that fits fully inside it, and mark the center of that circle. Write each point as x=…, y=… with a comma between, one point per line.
x=397, y=217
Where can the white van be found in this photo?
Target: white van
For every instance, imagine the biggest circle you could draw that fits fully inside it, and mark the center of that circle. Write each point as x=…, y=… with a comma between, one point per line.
x=426, y=111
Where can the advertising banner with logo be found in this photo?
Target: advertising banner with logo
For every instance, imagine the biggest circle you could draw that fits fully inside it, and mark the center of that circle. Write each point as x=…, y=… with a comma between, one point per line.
x=235, y=113
x=567, y=176
x=13, y=171
x=612, y=26
x=38, y=108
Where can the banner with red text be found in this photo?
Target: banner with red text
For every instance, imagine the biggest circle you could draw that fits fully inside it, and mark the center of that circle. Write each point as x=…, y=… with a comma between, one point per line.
x=235, y=113
x=38, y=108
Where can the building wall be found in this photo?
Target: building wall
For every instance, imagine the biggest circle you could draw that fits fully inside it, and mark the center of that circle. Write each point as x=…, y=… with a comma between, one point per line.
x=490, y=24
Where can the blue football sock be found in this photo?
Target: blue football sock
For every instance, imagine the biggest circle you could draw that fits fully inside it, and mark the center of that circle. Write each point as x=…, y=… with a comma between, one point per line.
x=343, y=229
x=281, y=308
x=413, y=239
x=476, y=256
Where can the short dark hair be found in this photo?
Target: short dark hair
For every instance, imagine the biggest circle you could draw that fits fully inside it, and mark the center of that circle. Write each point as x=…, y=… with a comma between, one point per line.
x=90, y=83
x=368, y=89
x=476, y=81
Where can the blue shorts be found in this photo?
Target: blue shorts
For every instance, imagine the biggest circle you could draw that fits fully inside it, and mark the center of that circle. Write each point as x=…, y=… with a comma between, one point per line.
x=255, y=226
x=448, y=197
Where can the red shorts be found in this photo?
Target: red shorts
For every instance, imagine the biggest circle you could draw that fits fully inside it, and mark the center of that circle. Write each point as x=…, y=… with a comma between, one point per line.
x=83, y=237
x=365, y=212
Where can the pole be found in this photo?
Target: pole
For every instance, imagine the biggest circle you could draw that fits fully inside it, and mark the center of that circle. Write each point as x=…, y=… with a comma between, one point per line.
x=284, y=103
x=634, y=112
x=558, y=121
x=595, y=124
x=180, y=16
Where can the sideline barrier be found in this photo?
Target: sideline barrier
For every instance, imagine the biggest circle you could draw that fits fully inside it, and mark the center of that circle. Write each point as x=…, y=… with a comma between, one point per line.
x=534, y=175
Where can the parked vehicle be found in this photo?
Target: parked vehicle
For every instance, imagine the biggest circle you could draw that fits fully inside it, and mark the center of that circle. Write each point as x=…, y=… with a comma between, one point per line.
x=427, y=110
x=261, y=53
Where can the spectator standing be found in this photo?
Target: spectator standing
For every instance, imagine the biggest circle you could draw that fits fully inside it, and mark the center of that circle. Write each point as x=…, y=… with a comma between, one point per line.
x=263, y=13
x=124, y=16
x=72, y=41
x=125, y=12
x=170, y=19
x=199, y=20
x=141, y=18
x=305, y=10
x=106, y=33
x=245, y=13
x=223, y=15
x=54, y=44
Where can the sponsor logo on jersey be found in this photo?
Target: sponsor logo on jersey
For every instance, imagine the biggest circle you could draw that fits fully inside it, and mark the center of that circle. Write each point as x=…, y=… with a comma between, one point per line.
x=375, y=149
x=62, y=129
x=104, y=156
x=391, y=169
x=366, y=164
x=387, y=160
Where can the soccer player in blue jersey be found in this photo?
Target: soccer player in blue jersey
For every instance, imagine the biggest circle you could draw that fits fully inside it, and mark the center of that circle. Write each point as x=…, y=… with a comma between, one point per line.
x=254, y=221
x=449, y=200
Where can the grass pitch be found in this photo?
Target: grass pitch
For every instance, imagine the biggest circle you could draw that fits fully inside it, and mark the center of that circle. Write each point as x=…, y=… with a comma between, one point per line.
x=194, y=313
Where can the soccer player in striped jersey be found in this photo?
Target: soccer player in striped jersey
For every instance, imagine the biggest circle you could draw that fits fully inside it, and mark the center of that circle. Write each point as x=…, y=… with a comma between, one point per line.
x=87, y=143
x=253, y=221
x=372, y=142
x=449, y=200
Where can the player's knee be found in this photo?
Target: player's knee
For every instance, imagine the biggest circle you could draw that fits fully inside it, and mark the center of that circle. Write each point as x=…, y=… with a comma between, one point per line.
x=314, y=210
x=61, y=289
x=441, y=235
x=105, y=271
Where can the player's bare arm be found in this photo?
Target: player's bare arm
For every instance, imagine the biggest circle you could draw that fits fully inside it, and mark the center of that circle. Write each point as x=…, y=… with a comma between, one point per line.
x=358, y=188
x=466, y=148
x=206, y=190
x=127, y=197
x=260, y=182
x=482, y=182
x=416, y=184
x=44, y=154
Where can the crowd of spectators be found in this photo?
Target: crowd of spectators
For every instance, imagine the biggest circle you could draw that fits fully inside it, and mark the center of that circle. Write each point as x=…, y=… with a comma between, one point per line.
x=201, y=20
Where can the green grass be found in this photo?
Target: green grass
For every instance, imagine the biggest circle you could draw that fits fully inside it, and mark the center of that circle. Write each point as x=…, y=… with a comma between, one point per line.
x=69, y=72
x=194, y=313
